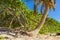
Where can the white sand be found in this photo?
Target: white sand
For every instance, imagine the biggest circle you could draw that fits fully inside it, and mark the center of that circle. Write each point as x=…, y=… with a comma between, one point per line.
x=40, y=37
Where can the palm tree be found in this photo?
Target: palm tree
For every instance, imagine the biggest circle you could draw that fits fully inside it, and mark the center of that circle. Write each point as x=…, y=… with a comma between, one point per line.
x=47, y=4
x=11, y=7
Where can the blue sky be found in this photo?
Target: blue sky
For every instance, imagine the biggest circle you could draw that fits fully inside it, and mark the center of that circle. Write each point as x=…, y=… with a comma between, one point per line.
x=53, y=14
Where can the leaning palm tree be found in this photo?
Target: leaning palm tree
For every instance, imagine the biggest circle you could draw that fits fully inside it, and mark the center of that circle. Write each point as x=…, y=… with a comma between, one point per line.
x=46, y=4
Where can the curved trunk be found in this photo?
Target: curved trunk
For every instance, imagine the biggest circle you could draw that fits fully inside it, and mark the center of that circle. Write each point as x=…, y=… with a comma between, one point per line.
x=36, y=31
x=11, y=23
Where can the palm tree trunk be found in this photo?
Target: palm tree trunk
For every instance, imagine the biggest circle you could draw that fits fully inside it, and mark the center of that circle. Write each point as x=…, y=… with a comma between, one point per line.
x=10, y=24
x=36, y=31
x=35, y=8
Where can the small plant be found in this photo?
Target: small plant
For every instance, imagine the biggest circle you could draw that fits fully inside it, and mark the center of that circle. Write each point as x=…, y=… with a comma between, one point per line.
x=2, y=38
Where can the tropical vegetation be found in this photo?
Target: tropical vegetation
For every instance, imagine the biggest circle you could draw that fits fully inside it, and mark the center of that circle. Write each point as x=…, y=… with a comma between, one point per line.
x=15, y=14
